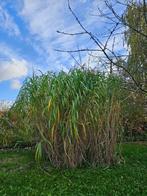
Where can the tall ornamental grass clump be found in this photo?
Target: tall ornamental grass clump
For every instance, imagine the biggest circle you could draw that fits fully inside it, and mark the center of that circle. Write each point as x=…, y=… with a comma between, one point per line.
x=76, y=117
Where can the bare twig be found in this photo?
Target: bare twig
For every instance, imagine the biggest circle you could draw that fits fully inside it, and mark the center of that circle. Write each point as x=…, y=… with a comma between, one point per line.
x=120, y=19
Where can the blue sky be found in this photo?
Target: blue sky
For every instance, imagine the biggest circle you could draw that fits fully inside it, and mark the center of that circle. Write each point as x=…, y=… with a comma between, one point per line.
x=28, y=38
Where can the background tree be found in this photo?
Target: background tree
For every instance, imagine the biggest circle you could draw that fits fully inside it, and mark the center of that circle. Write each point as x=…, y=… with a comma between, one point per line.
x=137, y=42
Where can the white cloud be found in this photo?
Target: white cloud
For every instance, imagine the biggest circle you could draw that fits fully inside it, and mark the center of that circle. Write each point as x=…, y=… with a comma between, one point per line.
x=16, y=84
x=13, y=66
x=44, y=17
x=7, y=22
x=13, y=69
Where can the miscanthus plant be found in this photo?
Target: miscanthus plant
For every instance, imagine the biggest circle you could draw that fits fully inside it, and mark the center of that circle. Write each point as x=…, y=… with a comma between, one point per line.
x=75, y=117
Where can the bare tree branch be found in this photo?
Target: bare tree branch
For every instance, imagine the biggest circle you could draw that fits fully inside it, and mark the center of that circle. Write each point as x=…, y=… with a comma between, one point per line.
x=110, y=35
x=78, y=50
x=110, y=55
x=74, y=59
x=120, y=19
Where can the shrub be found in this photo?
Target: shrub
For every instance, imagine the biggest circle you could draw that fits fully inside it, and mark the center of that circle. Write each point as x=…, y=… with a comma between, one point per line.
x=75, y=117
x=6, y=134
x=134, y=116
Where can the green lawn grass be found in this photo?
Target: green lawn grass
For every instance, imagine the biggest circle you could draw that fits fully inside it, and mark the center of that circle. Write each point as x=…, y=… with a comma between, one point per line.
x=21, y=175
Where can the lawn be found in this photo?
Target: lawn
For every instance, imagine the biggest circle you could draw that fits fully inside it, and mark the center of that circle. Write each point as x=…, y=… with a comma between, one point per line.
x=21, y=175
